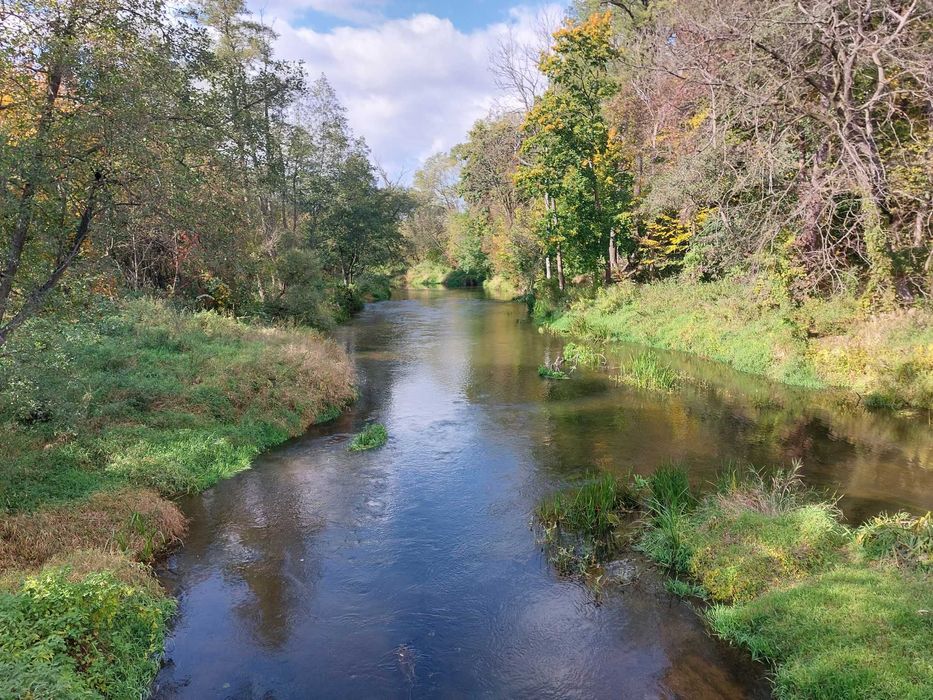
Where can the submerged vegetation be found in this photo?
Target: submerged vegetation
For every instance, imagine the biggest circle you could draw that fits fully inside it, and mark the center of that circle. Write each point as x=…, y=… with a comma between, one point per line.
x=370, y=438
x=838, y=612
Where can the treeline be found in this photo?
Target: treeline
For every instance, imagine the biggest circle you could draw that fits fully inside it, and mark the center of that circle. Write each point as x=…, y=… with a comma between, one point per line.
x=151, y=149
x=710, y=139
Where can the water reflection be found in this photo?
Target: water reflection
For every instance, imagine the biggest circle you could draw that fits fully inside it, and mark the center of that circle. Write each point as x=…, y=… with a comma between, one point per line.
x=412, y=571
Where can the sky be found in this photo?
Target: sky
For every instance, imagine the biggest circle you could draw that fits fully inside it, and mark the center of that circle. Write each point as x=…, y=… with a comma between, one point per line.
x=413, y=74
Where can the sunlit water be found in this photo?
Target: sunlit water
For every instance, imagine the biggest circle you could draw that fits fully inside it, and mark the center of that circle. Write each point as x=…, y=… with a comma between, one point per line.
x=413, y=571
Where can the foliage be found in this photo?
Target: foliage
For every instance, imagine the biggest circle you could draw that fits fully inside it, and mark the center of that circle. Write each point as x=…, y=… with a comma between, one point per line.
x=87, y=638
x=151, y=148
x=370, y=438
x=546, y=372
x=141, y=394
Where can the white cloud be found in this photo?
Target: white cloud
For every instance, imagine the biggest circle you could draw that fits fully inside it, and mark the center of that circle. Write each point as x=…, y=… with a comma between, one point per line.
x=411, y=86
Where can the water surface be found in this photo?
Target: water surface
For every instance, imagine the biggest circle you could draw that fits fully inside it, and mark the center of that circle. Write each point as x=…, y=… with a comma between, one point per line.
x=413, y=571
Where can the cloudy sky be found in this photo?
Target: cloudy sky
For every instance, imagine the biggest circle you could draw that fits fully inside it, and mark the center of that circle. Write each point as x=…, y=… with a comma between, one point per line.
x=413, y=74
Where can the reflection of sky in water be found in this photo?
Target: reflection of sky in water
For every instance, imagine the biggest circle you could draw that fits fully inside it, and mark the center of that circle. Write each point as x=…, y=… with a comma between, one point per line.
x=412, y=571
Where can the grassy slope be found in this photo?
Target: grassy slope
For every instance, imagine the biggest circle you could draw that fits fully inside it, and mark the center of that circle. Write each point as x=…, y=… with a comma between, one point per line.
x=100, y=421
x=886, y=359
x=839, y=615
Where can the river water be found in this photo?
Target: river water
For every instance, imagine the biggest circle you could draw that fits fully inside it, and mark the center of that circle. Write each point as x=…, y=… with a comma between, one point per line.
x=413, y=570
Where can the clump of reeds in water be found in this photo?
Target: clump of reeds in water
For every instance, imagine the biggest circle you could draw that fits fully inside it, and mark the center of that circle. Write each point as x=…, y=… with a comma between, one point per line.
x=372, y=436
x=646, y=371
x=580, y=523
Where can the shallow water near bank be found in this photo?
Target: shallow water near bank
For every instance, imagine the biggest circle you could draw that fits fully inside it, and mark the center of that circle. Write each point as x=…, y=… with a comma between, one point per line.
x=413, y=570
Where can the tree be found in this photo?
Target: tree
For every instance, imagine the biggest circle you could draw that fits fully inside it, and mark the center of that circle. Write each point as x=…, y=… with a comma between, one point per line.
x=84, y=87
x=572, y=157
x=360, y=229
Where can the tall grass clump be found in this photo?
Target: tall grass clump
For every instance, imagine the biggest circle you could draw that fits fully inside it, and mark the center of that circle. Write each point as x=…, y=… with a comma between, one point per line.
x=371, y=437
x=581, y=523
x=668, y=502
x=592, y=509
x=577, y=354
x=646, y=371
x=902, y=539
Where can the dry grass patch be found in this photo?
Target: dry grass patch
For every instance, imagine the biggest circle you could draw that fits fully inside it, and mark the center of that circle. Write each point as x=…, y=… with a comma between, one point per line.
x=134, y=522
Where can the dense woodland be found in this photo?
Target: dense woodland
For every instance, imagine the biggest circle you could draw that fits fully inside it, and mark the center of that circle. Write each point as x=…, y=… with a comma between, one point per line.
x=146, y=149
x=774, y=140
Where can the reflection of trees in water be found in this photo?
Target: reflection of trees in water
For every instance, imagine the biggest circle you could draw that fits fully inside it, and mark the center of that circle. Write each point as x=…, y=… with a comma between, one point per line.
x=278, y=569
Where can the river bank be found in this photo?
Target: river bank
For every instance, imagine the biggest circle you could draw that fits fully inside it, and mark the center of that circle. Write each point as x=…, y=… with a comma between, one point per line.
x=103, y=421
x=837, y=611
x=886, y=361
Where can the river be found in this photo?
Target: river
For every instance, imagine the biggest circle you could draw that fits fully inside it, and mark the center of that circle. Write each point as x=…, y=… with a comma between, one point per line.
x=414, y=570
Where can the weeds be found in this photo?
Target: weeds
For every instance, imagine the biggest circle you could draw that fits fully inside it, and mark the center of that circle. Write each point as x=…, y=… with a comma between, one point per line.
x=370, y=438
x=581, y=523
x=582, y=355
x=646, y=371
x=91, y=637
x=902, y=539
x=546, y=372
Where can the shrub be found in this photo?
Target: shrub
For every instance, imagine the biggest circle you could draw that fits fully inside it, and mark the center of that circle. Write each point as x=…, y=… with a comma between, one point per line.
x=86, y=638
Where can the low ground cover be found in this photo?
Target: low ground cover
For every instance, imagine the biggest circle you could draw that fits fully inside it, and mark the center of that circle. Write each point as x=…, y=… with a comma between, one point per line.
x=887, y=360
x=839, y=611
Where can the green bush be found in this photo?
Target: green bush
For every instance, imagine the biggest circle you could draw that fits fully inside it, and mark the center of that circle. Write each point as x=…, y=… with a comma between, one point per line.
x=90, y=638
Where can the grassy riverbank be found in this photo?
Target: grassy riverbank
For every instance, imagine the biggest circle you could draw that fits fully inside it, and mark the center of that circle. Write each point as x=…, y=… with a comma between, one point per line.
x=839, y=612
x=887, y=359
x=102, y=420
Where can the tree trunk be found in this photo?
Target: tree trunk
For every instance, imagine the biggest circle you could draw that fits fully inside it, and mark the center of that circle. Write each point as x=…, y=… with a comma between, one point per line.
x=547, y=266
x=561, y=283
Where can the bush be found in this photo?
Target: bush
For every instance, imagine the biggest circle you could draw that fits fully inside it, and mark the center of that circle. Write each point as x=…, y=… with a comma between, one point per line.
x=94, y=637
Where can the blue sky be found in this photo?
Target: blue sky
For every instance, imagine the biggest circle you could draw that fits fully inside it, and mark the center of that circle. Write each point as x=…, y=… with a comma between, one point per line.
x=413, y=74
x=466, y=16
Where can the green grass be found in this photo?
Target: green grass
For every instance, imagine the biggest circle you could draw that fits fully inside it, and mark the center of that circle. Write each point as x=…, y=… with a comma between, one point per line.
x=546, y=372
x=143, y=395
x=577, y=354
x=592, y=509
x=102, y=419
x=838, y=613
x=853, y=632
x=886, y=359
x=646, y=371
x=370, y=438
x=87, y=638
